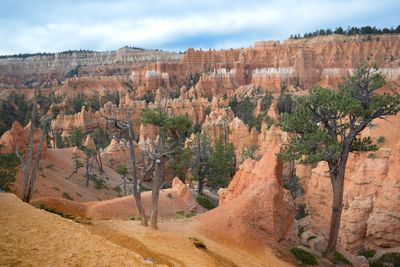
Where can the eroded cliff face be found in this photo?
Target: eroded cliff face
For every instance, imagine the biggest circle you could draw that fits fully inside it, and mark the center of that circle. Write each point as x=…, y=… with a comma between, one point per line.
x=255, y=207
x=297, y=63
x=39, y=70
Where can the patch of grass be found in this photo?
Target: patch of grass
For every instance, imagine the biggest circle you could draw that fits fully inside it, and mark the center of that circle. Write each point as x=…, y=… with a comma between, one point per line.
x=66, y=216
x=380, y=139
x=371, y=156
x=55, y=211
x=67, y=196
x=185, y=214
x=339, y=257
x=169, y=195
x=205, y=202
x=368, y=253
x=303, y=255
x=98, y=183
x=198, y=243
x=311, y=237
x=388, y=259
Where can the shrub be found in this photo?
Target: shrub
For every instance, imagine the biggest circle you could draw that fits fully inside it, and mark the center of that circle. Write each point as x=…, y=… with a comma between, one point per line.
x=368, y=253
x=311, y=237
x=380, y=139
x=293, y=185
x=205, y=202
x=198, y=243
x=339, y=257
x=55, y=211
x=371, y=156
x=67, y=196
x=304, y=256
x=301, y=211
x=207, y=110
x=388, y=259
x=148, y=97
x=169, y=195
x=98, y=183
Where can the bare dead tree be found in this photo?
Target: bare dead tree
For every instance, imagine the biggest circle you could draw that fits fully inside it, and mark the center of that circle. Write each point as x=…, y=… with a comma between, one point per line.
x=127, y=127
x=29, y=168
x=77, y=165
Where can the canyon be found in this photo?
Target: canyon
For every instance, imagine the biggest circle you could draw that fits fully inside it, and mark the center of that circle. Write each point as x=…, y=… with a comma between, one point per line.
x=255, y=211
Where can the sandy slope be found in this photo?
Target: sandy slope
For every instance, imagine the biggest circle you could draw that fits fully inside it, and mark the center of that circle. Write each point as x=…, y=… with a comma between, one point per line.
x=32, y=237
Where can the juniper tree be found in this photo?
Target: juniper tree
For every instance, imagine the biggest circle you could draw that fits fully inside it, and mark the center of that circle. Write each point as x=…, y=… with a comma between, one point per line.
x=326, y=126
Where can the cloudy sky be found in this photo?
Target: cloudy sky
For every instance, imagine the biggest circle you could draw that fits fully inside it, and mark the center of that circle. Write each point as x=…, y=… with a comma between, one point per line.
x=28, y=26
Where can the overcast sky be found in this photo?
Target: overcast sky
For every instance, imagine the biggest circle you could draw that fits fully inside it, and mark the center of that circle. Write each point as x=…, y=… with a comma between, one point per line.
x=28, y=26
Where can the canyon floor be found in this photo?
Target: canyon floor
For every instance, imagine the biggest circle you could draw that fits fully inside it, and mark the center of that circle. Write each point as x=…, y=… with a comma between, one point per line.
x=34, y=237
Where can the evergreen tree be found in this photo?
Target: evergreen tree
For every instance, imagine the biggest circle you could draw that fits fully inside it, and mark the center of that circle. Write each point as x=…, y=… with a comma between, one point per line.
x=326, y=126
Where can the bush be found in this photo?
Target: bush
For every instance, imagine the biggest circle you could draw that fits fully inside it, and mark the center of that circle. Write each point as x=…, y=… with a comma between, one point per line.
x=301, y=211
x=55, y=211
x=169, y=195
x=293, y=185
x=184, y=214
x=198, y=243
x=148, y=97
x=380, y=139
x=368, y=253
x=371, y=156
x=339, y=257
x=205, y=202
x=388, y=259
x=303, y=256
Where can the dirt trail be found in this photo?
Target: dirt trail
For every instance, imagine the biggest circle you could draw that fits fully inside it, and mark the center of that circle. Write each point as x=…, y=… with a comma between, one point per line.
x=172, y=239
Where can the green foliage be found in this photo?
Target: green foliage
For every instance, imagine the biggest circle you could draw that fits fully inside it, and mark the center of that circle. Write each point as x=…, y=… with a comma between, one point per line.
x=286, y=103
x=55, y=211
x=311, y=237
x=111, y=96
x=380, y=139
x=76, y=138
x=148, y=97
x=368, y=253
x=207, y=110
x=304, y=256
x=15, y=108
x=244, y=109
x=205, y=202
x=198, y=154
x=371, y=156
x=176, y=126
x=294, y=186
x=349, y=31
x=122, y=170
x=100, y=138
x=339, y=257
x=301, y=211
x=324, y=119
x=98, y=183
x=67, y=196
x=8, y=169
x=249, y=152
x=59, y=141
x=222, y=164
x=388, y=259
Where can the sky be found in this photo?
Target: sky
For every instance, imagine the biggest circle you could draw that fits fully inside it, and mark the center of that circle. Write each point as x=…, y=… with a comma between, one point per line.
x=29, y=26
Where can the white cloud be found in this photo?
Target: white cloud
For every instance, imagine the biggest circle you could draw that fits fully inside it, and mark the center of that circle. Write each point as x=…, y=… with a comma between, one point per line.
x=106, y=25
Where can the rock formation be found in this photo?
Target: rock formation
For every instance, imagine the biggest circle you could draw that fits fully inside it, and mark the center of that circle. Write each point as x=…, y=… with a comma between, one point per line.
x=19, y=136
